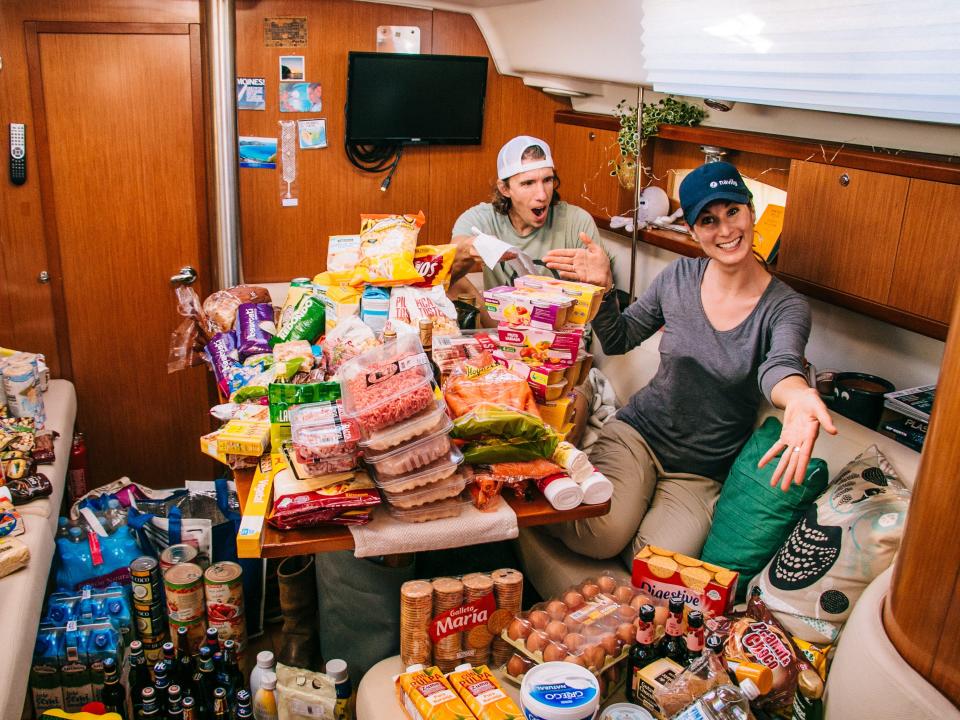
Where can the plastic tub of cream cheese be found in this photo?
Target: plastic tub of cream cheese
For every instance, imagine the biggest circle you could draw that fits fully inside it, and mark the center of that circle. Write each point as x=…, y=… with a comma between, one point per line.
x=559, y=691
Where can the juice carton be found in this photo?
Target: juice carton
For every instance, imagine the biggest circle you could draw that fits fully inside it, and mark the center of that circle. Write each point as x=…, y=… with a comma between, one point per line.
x=481, y=692
x=75, y=668
x=426, y=694
x=103, y=641
x=45, y=670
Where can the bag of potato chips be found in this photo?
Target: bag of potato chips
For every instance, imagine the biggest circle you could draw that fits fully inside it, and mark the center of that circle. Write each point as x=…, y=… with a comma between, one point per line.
x=387, y=247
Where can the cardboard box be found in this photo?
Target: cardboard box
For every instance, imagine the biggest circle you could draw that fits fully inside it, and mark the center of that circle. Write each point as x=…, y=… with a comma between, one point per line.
x=650, y=678
x=587, y=297
x=259, y=500
x=662, y=575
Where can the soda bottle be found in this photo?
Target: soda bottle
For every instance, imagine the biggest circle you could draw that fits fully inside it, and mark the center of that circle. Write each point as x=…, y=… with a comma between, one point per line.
x=79, y=481
x=221, y=711
x=149, y=707
x=694, y=636
x=174, y=706
x=265, y=701
x=113, y=696
x=265, y=663
x=726, y=702
x=190, y=711
x=672, y=644
x=642, y=652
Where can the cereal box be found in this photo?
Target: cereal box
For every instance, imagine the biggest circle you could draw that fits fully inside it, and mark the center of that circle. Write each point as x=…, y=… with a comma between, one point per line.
x=663, y=575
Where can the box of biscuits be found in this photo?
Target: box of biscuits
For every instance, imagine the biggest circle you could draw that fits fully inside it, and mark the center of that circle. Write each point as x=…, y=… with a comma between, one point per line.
x=663, y=575
x=452, y=620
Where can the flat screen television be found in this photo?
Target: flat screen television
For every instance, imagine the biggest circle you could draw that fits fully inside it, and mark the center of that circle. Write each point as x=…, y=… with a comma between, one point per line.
x=395, y=98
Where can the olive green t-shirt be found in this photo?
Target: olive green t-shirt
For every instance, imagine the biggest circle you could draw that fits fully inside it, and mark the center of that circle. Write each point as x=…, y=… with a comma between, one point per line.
x=564, y=224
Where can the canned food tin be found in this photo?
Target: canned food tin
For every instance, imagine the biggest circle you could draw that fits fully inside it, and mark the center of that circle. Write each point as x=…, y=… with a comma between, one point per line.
x=151, y=622
x=184, y=591
x=196, y=632
x=153, y=648
x=233, y=629
x=223, y=586
x=145, y=579
x=177, y=554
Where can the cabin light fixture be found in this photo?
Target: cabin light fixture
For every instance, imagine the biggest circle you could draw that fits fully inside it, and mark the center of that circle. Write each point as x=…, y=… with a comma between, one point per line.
x=564, y=87
x=720, y=105
x=712, y=153
x=563, y=92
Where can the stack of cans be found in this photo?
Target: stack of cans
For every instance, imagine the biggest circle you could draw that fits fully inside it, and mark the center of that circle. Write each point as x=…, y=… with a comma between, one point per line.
x=148, y=606
x=183, y=587
x=223, y=587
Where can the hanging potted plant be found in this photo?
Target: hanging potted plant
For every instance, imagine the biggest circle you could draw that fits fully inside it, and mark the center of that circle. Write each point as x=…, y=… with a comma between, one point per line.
x=631, y=138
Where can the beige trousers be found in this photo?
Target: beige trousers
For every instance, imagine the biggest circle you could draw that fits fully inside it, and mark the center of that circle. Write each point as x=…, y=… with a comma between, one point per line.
x=649, y=505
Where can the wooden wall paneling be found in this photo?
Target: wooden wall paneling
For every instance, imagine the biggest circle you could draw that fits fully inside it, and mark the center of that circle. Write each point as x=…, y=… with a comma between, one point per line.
x=922, y=610
x=842, y=237
x=584, y=156
x=924, y=280
x=281, y=243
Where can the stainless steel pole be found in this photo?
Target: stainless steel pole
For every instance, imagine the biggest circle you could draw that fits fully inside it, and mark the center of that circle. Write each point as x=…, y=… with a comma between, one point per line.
x=221, y=45
x=637, y=191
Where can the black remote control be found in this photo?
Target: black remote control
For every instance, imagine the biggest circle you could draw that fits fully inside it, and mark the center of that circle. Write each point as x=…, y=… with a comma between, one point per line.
x=18, y=154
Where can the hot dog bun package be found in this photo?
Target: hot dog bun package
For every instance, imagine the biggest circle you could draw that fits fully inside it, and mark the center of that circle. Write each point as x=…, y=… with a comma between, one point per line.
x=387, y=247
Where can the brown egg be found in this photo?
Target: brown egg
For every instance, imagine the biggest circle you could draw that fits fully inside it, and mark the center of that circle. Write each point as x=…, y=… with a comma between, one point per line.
x=626, y=613
x=518, y=629
x=516, y=666
x=573, y=599
x=660, y=613
x=626, y=633
x=556, y=630
x=590, y=590
x=640, y=600
x=607, y=584
x=537, y=641
x=610, y=645
x=574, y=641
x=556, y=610
x=594, y=656
x=576, y=659
x=572, y=624
x=553, y=652
x=539, y=619
x=623, y=594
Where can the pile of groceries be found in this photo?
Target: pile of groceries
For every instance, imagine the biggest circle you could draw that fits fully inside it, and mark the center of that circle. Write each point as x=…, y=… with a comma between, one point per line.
x=666, y=639
x=369, y=387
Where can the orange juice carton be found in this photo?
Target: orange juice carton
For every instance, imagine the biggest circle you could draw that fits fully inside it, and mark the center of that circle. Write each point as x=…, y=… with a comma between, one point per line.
x=425, y=694
x=662, y=575
x=481, y=692
x=586, y=297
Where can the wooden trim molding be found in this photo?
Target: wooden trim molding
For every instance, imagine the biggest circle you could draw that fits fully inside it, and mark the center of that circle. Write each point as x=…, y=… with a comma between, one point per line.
x=592, y=120
x=101, y=28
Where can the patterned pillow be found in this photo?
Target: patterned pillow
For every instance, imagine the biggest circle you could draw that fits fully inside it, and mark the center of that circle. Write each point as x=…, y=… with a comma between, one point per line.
x=846, y=538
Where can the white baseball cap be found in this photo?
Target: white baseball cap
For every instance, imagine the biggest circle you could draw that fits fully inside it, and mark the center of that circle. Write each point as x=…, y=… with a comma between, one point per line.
x=510, y=158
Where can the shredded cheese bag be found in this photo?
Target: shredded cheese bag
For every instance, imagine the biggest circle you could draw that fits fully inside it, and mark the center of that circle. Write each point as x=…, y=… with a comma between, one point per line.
x=387, y=247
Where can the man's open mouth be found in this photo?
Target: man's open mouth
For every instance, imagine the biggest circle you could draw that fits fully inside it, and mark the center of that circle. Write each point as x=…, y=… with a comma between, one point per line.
x=539, y=212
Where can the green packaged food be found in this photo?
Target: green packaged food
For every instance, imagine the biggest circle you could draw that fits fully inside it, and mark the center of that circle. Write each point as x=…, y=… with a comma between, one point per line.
x=283, y=396
x=307, y=322
x=489, y=452
x=491, y=421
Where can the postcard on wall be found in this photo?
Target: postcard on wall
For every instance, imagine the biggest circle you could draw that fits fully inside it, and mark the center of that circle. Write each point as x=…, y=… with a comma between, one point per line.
x=250, y=93
x=300, y=97
x=258, y=152
x=285, y=32
x=291, y=67
x=313, y=133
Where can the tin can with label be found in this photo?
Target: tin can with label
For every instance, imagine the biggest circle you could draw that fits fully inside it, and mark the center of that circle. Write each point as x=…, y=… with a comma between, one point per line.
x=232, y=629
x=153, y=648
x=175, y=555
x=223, y=585
x=151, y=621
x=196, y=632
x=184, y=591
x=145, y=581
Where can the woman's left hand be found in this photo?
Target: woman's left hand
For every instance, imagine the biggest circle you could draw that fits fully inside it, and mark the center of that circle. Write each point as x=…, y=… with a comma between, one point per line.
x=588, y=264
x=803, y=415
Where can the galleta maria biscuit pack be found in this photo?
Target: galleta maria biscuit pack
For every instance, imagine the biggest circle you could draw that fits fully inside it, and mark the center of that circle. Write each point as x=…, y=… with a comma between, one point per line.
x=662, y=575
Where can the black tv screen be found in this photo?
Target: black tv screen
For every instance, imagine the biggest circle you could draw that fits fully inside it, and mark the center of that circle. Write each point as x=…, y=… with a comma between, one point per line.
x=395, y=98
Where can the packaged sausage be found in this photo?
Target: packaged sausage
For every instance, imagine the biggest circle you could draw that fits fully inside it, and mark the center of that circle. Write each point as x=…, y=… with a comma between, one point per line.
x=299, y=503
x=387, y=247
x=320, y=430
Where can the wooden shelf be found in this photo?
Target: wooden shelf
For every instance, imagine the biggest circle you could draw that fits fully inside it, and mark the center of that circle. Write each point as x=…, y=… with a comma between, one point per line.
x=329, y=538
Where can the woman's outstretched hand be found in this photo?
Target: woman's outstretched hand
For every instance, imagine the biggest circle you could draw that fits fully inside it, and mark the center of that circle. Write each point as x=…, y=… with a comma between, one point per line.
x=803, y=415
x=588, y=264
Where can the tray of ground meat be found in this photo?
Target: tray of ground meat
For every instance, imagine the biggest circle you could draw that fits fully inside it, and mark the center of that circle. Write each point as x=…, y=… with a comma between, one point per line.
x=414, y=454
x=450, y=507
x=438, y=470
x=447, y=488
x=424, y=422
x=387, y=384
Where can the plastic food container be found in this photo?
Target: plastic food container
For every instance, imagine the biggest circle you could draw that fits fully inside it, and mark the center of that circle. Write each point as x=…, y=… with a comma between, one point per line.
x=311, y=466
x=411, y=455
x=451, y=507
x=319, y=429
x=439, y=469
x=446, y=488
x=625, y=711
x=559, y=691
x=587, y=297
x=546, y=308
x=387, y=384
x=425, y=421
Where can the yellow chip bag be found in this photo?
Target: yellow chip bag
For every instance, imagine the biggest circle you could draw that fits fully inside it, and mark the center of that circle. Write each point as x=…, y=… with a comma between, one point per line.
x=387, y=247
x=434, y=263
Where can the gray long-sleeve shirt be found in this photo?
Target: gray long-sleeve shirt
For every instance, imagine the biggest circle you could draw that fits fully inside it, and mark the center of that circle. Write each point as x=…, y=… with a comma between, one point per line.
x=700, y=407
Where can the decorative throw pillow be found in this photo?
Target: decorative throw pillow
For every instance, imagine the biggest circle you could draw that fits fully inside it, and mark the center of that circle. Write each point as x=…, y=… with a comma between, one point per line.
x=847, y=538
x=752, y=519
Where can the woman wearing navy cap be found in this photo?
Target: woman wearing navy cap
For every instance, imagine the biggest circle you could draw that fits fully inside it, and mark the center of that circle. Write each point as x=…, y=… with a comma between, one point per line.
x=732, y=334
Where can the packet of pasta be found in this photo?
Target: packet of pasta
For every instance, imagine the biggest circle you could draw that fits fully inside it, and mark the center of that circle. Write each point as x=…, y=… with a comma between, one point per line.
x=387, y=247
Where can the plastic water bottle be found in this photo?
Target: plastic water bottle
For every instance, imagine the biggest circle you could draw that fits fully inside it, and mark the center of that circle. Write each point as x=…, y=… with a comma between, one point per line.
x=337, y=670
x=265, y=663
x=727, y=702
x=265, y=701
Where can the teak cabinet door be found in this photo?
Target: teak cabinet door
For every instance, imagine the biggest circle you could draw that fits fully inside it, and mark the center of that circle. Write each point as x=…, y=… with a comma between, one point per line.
x=925, y=278
x=842, y=228
x=583, y=156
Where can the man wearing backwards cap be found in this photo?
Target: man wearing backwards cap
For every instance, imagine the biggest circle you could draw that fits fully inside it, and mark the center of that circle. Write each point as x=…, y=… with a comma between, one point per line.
x=732, y=334
x=526, y=212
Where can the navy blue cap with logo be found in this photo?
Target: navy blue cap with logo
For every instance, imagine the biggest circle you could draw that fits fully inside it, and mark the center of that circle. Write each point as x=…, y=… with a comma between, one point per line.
x=710, y=182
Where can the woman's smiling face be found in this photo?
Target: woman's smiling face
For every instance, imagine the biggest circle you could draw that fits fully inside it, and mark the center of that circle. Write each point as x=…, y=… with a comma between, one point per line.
x=724, y=230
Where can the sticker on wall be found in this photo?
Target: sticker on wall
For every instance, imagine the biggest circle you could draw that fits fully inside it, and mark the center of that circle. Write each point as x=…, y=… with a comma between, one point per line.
x=250, y=93
x=258, y=152
x=288, y=163
x=285, y=32
x=300, y=97
x=292, y=67
x=313, y=133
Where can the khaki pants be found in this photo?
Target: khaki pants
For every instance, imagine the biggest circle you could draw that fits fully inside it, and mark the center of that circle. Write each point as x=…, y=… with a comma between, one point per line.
x=649, y=505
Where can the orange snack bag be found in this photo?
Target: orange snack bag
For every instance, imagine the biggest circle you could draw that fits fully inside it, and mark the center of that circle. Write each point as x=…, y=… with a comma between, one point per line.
x=425, y=694
x=481, y=692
